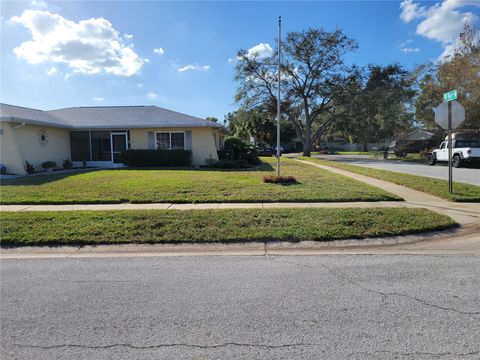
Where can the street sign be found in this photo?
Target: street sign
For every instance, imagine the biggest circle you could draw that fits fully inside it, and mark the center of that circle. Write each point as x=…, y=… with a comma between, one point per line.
x=450, y=96
x=441, y=114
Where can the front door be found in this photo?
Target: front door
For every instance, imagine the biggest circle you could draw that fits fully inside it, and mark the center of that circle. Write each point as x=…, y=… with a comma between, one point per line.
x=119, y=143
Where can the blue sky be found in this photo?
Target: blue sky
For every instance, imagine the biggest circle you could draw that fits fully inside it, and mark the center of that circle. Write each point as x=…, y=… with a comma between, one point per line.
x=60, y=54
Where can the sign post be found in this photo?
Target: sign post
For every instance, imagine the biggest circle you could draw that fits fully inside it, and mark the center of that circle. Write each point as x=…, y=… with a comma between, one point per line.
x=278, y=95
x=450, y=171
x=449, y=115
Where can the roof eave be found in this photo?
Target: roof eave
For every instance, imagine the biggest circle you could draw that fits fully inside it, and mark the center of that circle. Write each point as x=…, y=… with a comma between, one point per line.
x=32, y=122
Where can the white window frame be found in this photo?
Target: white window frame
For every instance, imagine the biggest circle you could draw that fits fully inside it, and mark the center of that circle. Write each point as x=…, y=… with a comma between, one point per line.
x=170, y=138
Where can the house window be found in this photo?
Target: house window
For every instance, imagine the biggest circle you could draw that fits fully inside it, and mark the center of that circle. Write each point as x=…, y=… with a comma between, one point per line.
x=170, y=140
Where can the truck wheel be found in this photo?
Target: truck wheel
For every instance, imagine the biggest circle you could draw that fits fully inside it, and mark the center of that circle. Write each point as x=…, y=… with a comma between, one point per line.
x=431, y=160
x=456, y=161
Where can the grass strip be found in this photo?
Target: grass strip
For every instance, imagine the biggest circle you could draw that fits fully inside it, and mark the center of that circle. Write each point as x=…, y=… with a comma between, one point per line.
x=225, y=225
x=438, y=187
x=189, y=186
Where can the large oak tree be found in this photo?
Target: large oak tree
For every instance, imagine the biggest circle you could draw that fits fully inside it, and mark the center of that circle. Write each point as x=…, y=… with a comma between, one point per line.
x=460, y=71
x=313, y=79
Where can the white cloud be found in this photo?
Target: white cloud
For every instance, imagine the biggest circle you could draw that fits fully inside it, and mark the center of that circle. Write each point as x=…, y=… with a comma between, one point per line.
x=139, y=85
x=152, y=96
x=442, y=22
x=410, y=10
x=159, y=51
x=146, y=60
x=409, y=50
x=260, y=51
x=404, y=47
x=89, y=46
x=52, y=71
x=98, y=98
x=128, y=36
x=195, y=67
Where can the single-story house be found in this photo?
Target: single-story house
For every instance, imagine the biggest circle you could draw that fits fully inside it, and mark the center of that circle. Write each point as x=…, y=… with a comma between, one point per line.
x=97, y=135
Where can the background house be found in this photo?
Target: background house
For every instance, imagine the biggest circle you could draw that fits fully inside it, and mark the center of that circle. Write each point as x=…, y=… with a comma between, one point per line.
x=97, y=135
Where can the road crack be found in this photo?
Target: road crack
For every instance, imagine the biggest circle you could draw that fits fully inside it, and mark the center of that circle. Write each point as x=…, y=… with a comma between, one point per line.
x=166, y=345
x=393, y=294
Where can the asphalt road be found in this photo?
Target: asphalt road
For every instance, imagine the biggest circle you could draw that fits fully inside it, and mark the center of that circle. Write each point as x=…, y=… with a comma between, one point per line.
x=468, y=175
x=251, y=307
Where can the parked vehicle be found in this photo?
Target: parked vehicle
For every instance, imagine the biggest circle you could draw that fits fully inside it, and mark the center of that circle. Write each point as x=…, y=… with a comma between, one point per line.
x=465, y=149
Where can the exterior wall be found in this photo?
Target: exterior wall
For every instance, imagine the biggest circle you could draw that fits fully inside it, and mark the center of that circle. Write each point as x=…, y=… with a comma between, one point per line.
x=219, y=138
x=203, y=142
x=22, y=144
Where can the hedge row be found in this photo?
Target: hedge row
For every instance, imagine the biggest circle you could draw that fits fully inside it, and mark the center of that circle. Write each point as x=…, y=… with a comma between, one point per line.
x=154, y=158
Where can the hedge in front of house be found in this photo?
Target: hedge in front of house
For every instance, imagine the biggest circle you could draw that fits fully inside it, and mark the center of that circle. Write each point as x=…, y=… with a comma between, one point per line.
x=155, y=158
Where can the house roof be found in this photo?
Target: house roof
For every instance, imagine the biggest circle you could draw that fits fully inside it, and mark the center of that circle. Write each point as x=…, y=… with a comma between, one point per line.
x=104, y=117
x=418, y=135
x=31, y=116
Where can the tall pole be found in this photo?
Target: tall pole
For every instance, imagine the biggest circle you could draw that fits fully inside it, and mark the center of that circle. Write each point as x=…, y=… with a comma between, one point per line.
x=278, y=96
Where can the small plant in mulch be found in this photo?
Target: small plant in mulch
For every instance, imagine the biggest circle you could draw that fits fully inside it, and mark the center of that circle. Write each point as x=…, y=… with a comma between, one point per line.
x=67, y=164
x=29, y=168
x=49, y=165
x=273, y=179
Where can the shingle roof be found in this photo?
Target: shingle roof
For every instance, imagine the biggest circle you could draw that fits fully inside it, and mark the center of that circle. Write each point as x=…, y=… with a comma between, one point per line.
x=33, y=116
x=106, y=117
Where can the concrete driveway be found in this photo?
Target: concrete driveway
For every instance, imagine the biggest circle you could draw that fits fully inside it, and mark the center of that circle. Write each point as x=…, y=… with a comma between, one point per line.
x=465, y=175
x=251, y=307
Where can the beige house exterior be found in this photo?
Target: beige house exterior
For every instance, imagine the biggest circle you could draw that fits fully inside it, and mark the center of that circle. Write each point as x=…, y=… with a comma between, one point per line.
x=97, y=135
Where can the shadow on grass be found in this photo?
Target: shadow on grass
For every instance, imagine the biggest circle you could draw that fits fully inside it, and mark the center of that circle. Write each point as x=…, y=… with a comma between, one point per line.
x=40, y=179
x=259, y=167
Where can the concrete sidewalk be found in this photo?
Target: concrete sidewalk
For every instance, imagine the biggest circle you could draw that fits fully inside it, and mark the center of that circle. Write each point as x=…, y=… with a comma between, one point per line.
x=463, y=213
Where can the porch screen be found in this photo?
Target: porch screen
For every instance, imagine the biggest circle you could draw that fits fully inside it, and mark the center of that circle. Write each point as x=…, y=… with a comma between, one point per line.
x=101, y=150
x=80, y=145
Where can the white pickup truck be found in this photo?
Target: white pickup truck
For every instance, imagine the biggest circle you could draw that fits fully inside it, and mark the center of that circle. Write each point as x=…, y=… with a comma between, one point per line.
x=464, y=149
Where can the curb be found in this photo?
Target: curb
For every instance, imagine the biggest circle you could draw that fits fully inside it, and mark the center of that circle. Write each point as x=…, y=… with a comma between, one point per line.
x=348, y=246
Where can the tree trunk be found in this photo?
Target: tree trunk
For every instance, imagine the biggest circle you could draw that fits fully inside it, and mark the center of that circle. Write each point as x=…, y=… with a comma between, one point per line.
x=365, y=144
x=307, y=139
x=307, y=142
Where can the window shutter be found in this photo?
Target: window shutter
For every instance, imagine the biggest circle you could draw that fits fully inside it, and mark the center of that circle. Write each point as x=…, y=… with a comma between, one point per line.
x=188, y=140
x=151, y=140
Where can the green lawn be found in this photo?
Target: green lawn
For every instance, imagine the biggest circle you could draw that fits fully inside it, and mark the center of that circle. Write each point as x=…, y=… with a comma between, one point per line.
x=462, y=192
x=188, y=186
x=174, y=226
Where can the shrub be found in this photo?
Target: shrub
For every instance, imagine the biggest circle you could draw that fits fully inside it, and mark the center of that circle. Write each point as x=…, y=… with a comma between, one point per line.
x=236, y=149
x=154, y=158
x=273, y=179
x=49, y=164
x=29, y=168
x=67, y=164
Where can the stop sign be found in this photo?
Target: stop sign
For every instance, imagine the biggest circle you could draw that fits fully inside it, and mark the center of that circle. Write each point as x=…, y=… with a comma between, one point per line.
x=441, y=114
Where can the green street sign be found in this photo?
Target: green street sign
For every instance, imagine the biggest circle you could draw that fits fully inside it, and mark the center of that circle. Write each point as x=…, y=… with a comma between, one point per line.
x=450, y=96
